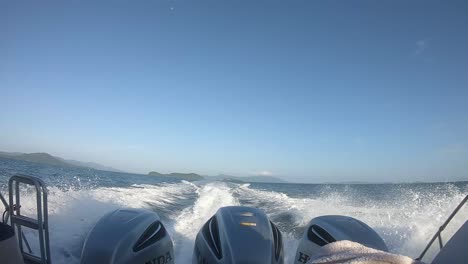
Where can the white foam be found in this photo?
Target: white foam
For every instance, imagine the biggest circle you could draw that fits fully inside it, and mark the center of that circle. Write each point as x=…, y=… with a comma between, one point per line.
x=210, y=198
x=72, y=213
x=406, y=225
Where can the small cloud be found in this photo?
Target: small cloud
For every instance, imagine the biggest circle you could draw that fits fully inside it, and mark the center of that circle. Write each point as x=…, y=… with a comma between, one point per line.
x=421, y=46
x=263, y=173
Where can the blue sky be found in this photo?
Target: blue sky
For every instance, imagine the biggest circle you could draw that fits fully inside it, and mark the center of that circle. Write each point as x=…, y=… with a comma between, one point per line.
x=310, y=91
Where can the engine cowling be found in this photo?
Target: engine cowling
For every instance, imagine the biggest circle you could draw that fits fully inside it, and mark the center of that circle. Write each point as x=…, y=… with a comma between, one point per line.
x=237, y=234
x=128, y=236
x=330, y=228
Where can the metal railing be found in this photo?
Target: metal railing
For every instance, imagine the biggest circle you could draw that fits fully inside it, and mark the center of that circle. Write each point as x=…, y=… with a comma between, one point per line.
x=41, y=223
x=7, y=208
x=441, y=228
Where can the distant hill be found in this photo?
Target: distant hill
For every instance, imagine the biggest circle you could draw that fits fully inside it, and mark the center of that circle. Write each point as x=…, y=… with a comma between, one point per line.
x=265, y=179
x=46, y=158
x=180, y=176
x=43, y=158
x=233, y=180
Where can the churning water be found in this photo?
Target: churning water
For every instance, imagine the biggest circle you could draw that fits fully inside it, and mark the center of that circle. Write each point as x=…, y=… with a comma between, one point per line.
x=405, y=215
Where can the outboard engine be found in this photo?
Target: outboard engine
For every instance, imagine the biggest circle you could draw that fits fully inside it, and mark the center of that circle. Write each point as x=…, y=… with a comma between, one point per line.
x=238, y=234
x=330, y=228
x=128, y=236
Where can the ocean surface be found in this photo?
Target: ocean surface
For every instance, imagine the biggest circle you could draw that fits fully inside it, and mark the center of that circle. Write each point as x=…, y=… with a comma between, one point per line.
x=405, y=215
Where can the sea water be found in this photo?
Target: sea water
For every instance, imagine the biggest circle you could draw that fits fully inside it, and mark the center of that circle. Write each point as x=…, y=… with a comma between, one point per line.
x=404, y=215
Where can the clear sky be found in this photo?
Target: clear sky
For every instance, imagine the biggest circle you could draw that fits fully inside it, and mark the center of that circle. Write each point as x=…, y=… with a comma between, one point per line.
x=310, y=91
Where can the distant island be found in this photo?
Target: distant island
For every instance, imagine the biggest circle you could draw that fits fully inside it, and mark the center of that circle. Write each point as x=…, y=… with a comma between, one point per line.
x=221, y=177
x=179, y=176
x=46, y=158
x=246, y=179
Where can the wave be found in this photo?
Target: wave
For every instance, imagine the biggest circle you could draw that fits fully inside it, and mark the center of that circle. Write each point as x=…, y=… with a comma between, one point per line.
x=187, y=224
x=405, y=222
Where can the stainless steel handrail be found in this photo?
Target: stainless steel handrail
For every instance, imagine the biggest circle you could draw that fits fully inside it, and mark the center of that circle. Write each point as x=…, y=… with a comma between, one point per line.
x=40, y=224
x=441, y=228
x=4, y=201
x=7, y=209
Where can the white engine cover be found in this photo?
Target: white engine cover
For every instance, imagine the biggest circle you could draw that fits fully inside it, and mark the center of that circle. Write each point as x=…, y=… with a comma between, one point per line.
x=327, y=229
x=128, y=236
